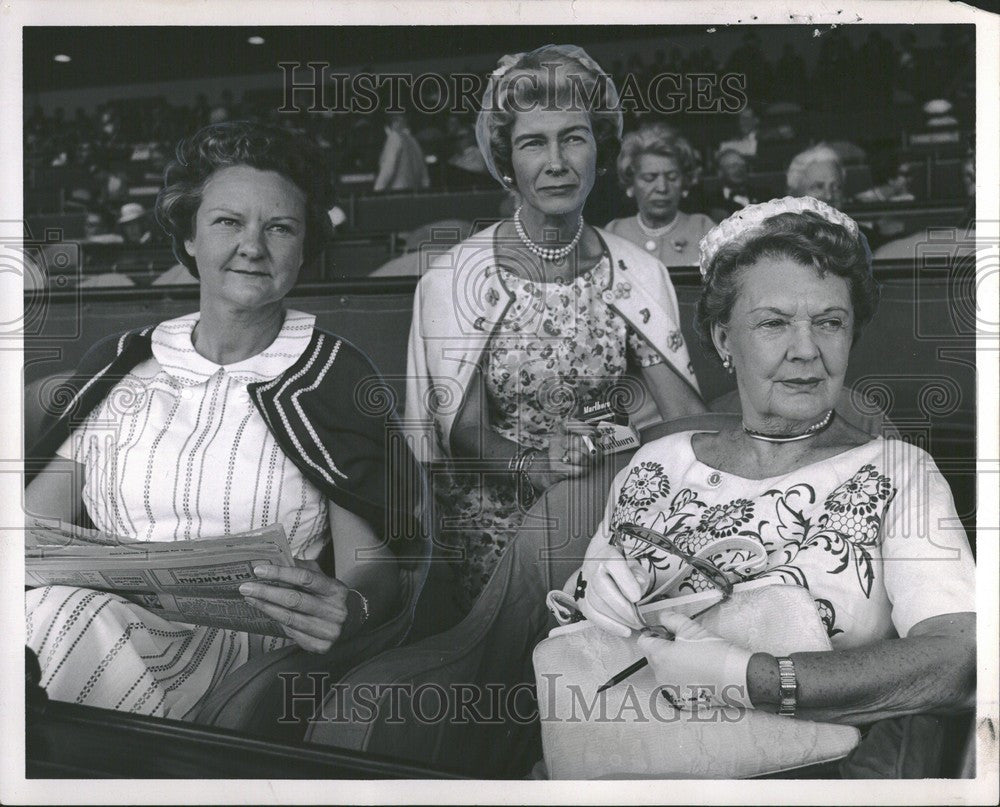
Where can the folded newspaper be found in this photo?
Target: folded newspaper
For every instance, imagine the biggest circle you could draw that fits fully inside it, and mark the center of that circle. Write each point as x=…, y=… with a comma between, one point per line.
x=195, y=582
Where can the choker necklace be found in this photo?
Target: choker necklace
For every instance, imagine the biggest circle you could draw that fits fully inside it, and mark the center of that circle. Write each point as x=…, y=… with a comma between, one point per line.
x=546, y=253
x=652, y=233
x=815, y=429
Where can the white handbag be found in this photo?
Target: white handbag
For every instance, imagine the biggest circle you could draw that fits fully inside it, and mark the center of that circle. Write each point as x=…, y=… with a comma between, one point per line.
x=630, y=731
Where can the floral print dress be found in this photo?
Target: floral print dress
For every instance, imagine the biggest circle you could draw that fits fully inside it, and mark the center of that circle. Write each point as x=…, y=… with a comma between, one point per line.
x=872, y=532
x=558, y=345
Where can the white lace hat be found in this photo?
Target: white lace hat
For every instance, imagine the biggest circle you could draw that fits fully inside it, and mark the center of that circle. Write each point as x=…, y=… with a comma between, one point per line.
x=745, y=221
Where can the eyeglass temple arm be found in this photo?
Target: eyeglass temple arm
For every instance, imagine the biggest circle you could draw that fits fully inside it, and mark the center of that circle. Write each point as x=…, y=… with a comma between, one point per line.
x=714, y=574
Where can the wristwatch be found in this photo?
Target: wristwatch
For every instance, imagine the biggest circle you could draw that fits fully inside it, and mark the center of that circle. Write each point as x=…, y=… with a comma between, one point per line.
x=789, y=687
x=362, y=611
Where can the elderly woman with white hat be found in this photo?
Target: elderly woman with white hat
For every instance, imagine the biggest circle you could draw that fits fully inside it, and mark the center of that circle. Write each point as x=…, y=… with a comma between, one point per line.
x=866, y=525
x=517, y=327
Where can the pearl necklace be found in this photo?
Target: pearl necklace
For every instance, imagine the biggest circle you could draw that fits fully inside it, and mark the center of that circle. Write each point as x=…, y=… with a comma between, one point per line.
x=815, y=429
x=655, y=232
x=546, y=253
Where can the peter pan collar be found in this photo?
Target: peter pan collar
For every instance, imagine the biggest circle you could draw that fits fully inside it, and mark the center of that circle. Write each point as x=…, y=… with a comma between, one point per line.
x=174, y=351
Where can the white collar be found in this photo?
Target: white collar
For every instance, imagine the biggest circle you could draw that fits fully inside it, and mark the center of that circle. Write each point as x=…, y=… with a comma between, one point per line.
x=176, y=354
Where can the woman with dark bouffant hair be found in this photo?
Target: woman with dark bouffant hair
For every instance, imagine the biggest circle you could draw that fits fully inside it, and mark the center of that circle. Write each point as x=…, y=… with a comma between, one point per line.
x=238, y=416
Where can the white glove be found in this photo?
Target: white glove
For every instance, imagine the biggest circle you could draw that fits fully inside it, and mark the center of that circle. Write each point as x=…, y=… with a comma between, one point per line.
x=697, y=666
x=614, y=585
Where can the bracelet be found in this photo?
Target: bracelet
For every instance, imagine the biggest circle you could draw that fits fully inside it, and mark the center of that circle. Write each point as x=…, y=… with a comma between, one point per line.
x=516, y=465
x=525, y=490
x=789, y=687
x=518, y=468
x=363, y=618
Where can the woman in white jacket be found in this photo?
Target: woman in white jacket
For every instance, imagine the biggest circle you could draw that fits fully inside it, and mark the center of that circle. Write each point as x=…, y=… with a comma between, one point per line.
x=519, y=326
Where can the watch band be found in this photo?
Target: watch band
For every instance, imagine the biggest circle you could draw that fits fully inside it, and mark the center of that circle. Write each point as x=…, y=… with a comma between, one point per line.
x=789, y=687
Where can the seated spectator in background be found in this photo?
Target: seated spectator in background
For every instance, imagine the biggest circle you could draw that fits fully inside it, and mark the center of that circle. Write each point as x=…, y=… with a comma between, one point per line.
x=176, y=275
x=466, y=167
x=106, y=280
x=337, y=216
x=79, y=199
x=746, y=143
x=114, y=190
x=655, y=166
x=222, y=111
x=420, y=246
x=817, y=172
x=97, y=231
x=134, y=224
x=401, y=165
x=908, y=247
x=892, y=176
x=735, y=191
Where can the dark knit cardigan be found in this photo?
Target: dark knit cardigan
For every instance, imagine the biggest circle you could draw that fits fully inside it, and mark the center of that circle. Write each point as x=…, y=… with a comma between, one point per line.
x=331, y=412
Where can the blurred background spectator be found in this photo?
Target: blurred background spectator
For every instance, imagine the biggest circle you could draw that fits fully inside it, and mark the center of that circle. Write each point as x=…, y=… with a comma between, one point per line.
x=893, y=176
x=817, y=172
x=97, y=231
x=735, y=191
x=401, y=165
x=134, y=224
x=746, y=143
x=655, y=167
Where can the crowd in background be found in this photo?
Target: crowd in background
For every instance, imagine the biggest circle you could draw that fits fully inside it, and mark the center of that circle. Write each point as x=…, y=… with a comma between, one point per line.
x=790, y=109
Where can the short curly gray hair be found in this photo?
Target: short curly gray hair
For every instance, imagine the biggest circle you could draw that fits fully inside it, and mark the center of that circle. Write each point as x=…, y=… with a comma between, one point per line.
x=800, y=163
x=655, y=138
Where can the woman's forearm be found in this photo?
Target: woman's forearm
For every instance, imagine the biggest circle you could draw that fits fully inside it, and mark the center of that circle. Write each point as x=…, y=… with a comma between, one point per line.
x=926, y=672
x=56, y=492
x=482, y=442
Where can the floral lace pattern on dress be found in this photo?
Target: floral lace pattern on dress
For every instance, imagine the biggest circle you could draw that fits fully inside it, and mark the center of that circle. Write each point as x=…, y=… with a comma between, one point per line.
x=559, y=344
x=807, y=537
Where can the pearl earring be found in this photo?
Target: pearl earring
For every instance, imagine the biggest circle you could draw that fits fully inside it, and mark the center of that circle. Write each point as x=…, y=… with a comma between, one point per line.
x=507, y=180
x=629, y=193
x=728, y=364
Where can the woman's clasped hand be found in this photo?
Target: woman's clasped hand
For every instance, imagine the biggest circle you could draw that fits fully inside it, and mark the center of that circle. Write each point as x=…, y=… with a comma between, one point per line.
x=696, y=666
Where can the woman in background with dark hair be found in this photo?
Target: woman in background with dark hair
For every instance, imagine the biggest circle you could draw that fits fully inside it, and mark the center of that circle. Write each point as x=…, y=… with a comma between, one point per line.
x=238, y=416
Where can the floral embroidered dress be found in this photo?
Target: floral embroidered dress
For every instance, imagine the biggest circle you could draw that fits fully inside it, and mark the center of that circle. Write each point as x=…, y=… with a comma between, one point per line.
x=559, y=344
x=871, y=532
